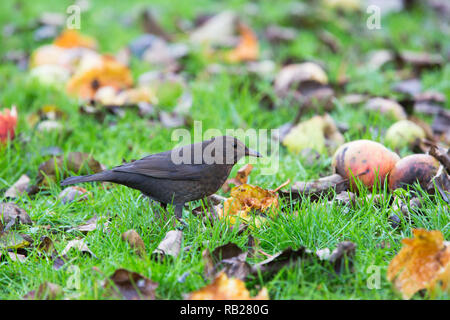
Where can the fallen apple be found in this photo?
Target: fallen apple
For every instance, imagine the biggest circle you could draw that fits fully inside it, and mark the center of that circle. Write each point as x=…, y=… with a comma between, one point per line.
x=402, y=134
x=364, y=160
x=414, y=168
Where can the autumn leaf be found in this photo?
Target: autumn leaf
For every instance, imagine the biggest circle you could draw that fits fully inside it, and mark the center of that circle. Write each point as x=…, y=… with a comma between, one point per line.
x=8, y=122
x=109, y=72
x=247, y=48
x=241, y=177
x=131, y=285
x=245, y=198
x=224, y=288
x=422, y=263
x=73, y=39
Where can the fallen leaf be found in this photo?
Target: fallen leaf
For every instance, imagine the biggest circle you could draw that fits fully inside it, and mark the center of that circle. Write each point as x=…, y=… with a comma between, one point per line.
x=246, y=198
x=422, y=263
x=70, y=194
x=217, y=30
x=151, y=25
x=12, y=214
x=224, y=288
x=80, y=245
x=90, y=225
x=135, y=241
x=46, y=291
x=109, y=72
x=80, y=163
x=386, y=106
x=10, y=240
x=72, y=38
x=241, y=178
x=247, y=48
x=131, y=285
x=170, y=245
x=18, y=187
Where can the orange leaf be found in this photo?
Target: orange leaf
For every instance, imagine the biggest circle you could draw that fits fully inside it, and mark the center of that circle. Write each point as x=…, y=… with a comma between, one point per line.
x=72, y=39
x=109, y=73
x=241, y=177
x=224, y=288
x=247, y=49
x=8, y=122
x=422, y=263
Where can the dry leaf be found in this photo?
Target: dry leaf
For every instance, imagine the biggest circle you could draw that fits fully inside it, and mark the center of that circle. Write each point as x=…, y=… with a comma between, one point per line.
x=241, y=178
x=18, y=187
x=224, y=288
x=135, y=241
x=80, y=245
x=73, y=193
x=170, y=245
x=422, y=263
x=80, y=163
x=11, y=214
x=246, y=198
x=109, y=72
x=46, y=291
x=248, y=47
x=132, y=285
x=72, y=39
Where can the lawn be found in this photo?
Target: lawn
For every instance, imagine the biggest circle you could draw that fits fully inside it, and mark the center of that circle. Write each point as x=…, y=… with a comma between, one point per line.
x=220, y=100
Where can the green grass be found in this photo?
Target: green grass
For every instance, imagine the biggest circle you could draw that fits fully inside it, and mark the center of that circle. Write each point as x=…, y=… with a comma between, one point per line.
x=223, y=102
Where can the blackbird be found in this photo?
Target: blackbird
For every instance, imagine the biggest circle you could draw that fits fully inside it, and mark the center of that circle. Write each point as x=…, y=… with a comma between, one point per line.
x=180, y=175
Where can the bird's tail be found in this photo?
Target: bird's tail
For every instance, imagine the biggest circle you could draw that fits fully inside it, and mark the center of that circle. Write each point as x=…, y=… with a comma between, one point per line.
x=101, y=176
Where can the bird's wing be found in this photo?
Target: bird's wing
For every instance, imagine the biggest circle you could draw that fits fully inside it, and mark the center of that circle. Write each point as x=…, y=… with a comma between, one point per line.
x=160, y=166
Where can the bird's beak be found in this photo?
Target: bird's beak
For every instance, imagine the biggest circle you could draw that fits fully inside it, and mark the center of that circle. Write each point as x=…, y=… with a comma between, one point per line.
x=252, y=153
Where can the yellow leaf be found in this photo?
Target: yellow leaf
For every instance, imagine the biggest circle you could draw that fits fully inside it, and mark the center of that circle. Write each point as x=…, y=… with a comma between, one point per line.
x=422, y=263
x=224, y=288
x=109, y=73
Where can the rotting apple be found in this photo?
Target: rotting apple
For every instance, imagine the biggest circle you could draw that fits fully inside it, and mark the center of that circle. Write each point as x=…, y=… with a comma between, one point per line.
x=419, y=168
x=364, y=160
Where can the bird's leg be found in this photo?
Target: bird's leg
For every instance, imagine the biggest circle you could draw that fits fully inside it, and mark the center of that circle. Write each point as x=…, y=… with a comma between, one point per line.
x=179, y=213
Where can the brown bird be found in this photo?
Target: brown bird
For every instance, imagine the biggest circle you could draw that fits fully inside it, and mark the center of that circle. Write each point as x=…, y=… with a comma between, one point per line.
x=180, y=175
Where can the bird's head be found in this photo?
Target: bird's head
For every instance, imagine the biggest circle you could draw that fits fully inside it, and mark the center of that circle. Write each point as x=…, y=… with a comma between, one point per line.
x=228, y=150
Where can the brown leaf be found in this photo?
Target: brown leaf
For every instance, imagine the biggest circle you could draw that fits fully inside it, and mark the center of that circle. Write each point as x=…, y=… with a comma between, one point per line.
x=131, y=285
x=80, y=245
x=46, y=291
x=80, y=163
x=90, y=225
x=18, y=187
x=12, y=215
x=73, y=193
x=170, y=245
x=152, y=26
x=135, y=241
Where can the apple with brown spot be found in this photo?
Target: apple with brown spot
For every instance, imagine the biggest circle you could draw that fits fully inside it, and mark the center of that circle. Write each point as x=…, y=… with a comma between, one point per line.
x=365, y=160
x=419, y=168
